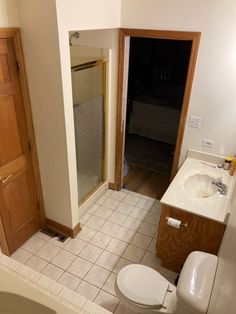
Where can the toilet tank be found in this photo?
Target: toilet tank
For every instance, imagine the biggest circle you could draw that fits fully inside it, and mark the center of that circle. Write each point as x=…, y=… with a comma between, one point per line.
x=195, y=283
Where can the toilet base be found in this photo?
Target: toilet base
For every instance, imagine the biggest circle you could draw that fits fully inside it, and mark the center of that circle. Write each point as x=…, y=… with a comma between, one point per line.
x=126, y=310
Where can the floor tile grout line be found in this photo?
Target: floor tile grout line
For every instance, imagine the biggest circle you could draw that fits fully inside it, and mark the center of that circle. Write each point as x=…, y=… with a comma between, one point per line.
x=60, y=276
x=30, y=251
x=93, y=263
x=77, y=286
x=116, y=306
x=107, y=279
x=86, y=272
x=132, y=229
x=109, y=207
x=68, y=265
x=34, y=255
x=106, y=219
x=103, y=248
x=91, y=285
x=44, y=267
x=100, y=288
x=109, y=293
x=49, y=262
x=130, y=242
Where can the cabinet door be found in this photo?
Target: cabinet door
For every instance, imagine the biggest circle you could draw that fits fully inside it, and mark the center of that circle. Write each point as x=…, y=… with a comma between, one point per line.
x=174, y=245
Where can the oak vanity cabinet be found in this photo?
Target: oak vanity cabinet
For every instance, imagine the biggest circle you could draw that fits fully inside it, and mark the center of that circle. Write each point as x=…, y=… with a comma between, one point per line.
x=195, y=234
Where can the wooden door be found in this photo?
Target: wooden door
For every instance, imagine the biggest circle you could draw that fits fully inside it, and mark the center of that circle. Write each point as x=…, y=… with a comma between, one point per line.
x=19, y=212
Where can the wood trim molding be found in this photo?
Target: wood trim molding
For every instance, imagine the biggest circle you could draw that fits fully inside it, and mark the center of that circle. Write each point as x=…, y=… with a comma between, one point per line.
x=119, y=114
x=161, y=34
x=111, y=186
x=186, y=99
x=29, y=122
x=15, y=34
x=56, y=226
x=120, y=123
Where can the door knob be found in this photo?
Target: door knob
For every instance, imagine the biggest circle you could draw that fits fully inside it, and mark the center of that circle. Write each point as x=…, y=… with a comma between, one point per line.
x=5, y=179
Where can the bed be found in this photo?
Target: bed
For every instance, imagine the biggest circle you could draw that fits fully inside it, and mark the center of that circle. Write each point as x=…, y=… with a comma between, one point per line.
x=154, y=118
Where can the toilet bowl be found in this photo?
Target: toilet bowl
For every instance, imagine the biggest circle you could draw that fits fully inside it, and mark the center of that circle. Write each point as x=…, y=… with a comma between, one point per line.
x=143, y=290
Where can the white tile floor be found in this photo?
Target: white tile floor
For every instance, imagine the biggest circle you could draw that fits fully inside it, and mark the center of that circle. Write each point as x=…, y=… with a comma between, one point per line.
x=120, y=229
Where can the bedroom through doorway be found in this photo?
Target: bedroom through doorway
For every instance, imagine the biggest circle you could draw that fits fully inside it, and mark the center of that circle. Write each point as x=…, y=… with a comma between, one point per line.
x=155, y=79
x=156, y=83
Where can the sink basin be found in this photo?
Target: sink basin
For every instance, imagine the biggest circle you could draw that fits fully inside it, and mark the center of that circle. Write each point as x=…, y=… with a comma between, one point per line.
x=200, y=185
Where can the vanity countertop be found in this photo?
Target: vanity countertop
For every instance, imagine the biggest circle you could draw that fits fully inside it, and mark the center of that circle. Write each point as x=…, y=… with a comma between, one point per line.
x=179, y=194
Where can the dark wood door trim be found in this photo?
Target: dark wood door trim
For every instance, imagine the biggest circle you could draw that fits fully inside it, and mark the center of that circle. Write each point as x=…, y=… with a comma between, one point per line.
x=120, y=123
x=14, y=34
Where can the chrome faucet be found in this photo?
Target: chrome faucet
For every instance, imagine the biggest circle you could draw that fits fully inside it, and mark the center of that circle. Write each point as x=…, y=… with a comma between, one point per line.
x=222, y=188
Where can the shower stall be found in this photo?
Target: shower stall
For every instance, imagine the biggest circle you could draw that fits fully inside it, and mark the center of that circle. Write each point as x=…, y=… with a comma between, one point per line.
x=89, y=99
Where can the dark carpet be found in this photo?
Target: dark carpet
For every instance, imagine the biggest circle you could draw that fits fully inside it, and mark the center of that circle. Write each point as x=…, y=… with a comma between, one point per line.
x=152, y=155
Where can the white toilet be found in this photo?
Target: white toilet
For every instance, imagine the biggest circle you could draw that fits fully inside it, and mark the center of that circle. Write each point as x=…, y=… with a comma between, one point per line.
x=143, y=290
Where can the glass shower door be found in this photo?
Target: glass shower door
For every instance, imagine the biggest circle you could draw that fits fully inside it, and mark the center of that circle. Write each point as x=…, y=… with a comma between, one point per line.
x=88, y=83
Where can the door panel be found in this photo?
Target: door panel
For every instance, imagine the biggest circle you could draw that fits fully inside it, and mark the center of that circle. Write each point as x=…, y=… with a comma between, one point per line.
x=10, y=140
x=14, y=166
x=18, y=198
x=4, y=73
x=17, y=201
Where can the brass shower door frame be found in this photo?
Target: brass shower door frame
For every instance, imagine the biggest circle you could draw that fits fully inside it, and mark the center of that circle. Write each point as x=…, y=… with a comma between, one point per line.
x=84, y=66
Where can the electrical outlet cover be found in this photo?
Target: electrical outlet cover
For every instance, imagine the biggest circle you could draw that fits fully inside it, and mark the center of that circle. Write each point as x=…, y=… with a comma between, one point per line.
x=195, y=122
x=208, y=143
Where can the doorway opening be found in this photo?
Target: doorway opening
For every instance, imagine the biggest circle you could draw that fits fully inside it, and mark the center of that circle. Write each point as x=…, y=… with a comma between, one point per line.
x=156, y=83
x=155, y=79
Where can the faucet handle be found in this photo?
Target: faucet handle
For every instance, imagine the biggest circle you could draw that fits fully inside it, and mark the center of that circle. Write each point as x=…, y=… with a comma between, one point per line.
x=217, y=181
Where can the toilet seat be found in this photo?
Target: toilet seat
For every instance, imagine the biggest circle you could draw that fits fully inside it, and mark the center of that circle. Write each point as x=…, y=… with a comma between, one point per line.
x=142, y=285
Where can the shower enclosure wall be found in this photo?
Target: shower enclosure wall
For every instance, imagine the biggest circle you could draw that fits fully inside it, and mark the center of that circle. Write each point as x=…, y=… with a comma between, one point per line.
x=89, y=90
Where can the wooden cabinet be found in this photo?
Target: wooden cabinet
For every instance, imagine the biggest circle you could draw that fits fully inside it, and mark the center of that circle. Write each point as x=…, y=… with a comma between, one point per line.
x=199, y=234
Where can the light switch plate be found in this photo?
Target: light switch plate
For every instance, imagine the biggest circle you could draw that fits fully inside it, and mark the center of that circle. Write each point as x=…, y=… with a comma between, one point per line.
x=195, y=122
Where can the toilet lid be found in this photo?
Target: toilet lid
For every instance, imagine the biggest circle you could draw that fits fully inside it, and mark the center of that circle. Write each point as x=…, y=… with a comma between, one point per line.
x=142, y=284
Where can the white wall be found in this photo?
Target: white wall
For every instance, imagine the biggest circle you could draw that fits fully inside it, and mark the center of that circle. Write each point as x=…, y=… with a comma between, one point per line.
x=79, y=15
x=45, y=26
x=41, y=49
x=9, y=16
x=214, y=94
x=89, y=14
x=44, y=34
x=106, y=39
x=223, y=294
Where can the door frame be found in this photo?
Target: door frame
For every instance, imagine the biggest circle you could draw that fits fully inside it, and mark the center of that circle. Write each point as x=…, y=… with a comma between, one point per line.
x=124, y=39
x=14, y=33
